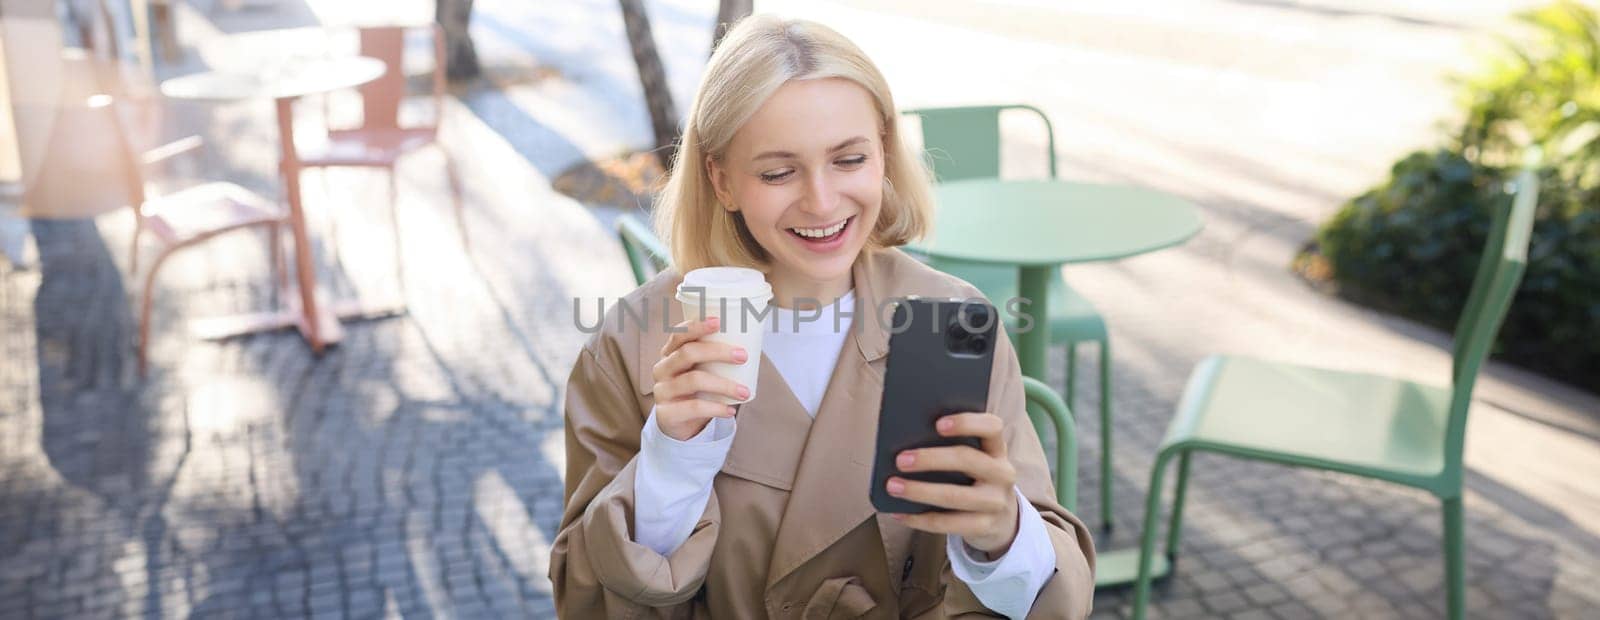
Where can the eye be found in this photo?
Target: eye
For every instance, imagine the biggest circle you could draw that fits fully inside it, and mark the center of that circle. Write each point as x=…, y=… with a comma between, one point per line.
x=852, y=161
x=777, y=176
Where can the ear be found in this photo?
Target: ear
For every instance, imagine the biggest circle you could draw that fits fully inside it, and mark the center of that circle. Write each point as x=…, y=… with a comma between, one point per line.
x=719, y=184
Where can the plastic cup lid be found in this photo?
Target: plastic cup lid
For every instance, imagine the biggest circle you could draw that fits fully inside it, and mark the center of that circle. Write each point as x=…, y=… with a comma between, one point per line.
x=724, y=282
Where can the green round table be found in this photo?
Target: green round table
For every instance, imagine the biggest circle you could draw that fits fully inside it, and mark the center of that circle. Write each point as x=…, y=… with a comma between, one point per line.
x=1040, y=225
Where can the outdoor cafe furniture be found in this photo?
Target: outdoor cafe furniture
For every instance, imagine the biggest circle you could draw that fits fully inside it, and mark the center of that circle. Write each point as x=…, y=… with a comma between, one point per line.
x=964, y=143
x=87, y=139
x=1367, y=425
x=1034, y=227
x=380, y=141
x=646, y=254
x=284, y=83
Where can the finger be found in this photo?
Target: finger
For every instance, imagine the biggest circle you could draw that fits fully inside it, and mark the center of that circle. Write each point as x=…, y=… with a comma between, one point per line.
x=964, y=524
x=987, y=427
x=965, y=459
x=695, y=408
x=690, y=384
x=974, y=498
x=699, y=352
x=690, y=331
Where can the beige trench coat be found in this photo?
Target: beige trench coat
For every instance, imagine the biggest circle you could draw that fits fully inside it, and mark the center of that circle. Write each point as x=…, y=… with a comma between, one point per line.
x=789, y=531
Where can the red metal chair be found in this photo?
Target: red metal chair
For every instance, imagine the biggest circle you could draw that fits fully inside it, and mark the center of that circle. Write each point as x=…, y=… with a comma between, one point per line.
x=179, y=219
x=89, y=165
x=190, y=216
x=380, y=141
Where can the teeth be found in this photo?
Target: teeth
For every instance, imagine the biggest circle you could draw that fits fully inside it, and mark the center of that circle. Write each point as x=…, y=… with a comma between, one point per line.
x=818, y=233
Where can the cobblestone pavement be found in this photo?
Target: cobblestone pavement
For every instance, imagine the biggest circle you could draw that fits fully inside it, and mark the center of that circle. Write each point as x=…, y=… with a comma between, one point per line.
x=414, y=470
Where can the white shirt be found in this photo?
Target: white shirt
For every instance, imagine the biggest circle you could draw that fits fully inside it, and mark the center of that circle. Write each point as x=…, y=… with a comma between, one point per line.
x=804, y=346
x=672, y=483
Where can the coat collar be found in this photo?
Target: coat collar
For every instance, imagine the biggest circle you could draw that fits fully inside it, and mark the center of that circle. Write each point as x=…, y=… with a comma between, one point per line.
x=834, y=471
x=831, y=484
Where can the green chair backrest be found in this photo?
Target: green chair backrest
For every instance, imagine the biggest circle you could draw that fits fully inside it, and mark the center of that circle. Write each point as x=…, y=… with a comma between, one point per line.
x=1505, y=256
x=964, y=142
x=646, y=254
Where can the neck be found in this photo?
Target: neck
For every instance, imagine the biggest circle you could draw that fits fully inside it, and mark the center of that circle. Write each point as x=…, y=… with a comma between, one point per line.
x=799, y=293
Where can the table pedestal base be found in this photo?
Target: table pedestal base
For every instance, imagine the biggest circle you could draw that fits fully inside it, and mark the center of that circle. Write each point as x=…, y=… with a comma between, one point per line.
x=328, y=329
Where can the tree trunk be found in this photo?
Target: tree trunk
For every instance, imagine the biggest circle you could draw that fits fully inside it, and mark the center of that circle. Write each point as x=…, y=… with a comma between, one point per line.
x=461, y=57
x=653, y=79
x=728, y=12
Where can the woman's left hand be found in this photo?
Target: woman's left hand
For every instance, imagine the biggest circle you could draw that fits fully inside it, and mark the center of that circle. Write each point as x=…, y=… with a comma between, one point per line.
x=984, y=514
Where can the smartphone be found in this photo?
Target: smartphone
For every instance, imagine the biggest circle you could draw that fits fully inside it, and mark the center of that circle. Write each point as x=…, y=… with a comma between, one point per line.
x=941, y=353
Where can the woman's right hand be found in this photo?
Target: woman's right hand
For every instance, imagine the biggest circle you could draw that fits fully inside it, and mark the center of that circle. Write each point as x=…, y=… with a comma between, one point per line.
x=680, y=412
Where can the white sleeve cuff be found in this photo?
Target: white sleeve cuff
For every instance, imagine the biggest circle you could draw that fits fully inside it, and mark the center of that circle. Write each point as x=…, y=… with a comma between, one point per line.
x=672, y=483
x=1009, y=584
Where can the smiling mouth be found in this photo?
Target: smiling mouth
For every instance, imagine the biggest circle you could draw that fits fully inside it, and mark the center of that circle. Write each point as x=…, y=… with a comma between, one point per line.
x=823, y=234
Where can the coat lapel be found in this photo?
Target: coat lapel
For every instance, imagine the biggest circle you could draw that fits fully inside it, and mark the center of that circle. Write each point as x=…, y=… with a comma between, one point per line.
x=771, y=435
x=835, y=470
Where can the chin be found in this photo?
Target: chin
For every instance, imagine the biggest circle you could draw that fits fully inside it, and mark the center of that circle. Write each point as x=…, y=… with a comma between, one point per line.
x=831, y=268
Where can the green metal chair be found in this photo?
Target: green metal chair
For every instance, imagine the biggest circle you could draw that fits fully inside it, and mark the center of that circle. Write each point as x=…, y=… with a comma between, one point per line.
x=1367, y=425
x=647, y=256
x=964, y=143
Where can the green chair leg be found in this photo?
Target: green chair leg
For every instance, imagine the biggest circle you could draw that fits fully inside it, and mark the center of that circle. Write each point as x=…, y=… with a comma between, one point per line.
x=1106, y=477
x=1147, y=539
x=1176, y=525
x=1072, y=374
x=1454, y=571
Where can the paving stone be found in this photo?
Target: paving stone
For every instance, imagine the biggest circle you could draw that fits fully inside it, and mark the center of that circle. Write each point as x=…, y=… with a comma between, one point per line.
x=1211, y=582
x=1266, y=594
x=1181, y=608
x=1225, y=603
x=1293, y=610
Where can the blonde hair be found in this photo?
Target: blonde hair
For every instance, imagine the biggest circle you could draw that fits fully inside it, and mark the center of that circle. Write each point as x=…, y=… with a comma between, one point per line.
x=760, y=54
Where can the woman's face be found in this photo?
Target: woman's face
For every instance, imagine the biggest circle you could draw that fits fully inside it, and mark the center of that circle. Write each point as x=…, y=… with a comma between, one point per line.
x=806, y=172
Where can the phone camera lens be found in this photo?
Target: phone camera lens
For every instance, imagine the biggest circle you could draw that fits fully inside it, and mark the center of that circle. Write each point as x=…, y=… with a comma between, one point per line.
x=978, y=318
x=979, y=344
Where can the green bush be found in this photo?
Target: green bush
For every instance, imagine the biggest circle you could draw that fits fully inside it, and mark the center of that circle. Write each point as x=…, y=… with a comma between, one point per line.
x=1412, y=244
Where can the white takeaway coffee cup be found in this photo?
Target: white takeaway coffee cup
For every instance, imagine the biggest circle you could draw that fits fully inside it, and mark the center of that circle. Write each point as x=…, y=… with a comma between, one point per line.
x=739, y=297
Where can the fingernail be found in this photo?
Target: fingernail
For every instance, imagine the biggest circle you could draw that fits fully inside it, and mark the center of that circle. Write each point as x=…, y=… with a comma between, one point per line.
x=897, y=516
x=896, y=487
x=713, y=322
x=945, y=425
x=732, y=410
x=740, y=356
x=906, y=459
x=744, y=392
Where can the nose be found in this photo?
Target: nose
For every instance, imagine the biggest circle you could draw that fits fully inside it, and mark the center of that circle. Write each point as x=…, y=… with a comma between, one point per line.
x=821, y=199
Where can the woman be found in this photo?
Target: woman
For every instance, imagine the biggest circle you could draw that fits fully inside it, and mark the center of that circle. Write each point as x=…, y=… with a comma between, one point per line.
x=680, y=506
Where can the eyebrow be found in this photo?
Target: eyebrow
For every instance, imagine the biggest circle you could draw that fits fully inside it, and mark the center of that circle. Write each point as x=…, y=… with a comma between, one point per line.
x=788, y=155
